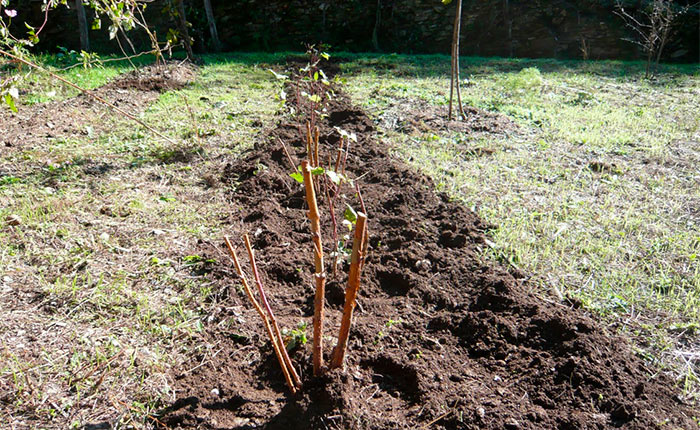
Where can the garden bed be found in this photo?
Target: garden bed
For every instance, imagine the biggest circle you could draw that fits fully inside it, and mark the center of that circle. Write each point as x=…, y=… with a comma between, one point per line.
x=441, y=338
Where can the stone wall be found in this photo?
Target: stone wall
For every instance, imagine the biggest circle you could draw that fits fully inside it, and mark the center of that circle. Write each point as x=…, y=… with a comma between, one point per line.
x=520, y=28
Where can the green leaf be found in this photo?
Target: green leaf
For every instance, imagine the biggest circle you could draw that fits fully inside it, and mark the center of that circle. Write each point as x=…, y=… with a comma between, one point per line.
x=325, y=56
x=318, y=171
x=298, y=177
x=96, y=24
x=334, y=177
x=10, y=102
x=277, y=75
x=446, y=1
x=194, y=259
x=350, y=214
x=316, y=76
x=8, y=180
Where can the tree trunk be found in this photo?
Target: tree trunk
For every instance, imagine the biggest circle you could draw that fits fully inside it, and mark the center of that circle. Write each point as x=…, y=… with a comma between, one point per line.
x=455, y=54
x=377, y=23
x=452, y=80
x=215, y=42
x=82, y=25
x=509, y=23
x=184, y=33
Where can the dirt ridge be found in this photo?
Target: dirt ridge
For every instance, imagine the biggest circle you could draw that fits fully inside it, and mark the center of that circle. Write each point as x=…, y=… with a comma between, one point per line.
x=441, y=337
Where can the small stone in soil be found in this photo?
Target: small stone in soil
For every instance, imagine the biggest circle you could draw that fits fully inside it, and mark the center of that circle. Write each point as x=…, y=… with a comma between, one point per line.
x=423, y=265
x=512, y=424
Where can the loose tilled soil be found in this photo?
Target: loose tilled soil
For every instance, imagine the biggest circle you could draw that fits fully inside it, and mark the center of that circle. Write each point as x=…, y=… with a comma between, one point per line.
x=131, y=92
x=415, y=115
x=441, y=339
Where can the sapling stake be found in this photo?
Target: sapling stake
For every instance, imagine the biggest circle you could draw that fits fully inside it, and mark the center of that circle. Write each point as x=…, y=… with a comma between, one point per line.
x=340, y=155
x=359, y=196
x=345, y=156
x=364, y=210
x=331, y=209
x=266, y=321
x=309, y=143
x=357, y=261
x=289, y=157
x=319, y=274
x=270, y=314
x=316, y=162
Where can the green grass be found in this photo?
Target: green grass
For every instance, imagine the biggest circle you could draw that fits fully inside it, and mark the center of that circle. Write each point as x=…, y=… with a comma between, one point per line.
x=101, y=301
x=596, y=195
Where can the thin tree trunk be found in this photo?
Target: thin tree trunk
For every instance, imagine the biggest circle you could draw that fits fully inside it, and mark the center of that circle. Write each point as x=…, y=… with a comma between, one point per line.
x=452, y=79
x=184, y=33
x=666, y=29
x=509, y=23
x=377, y=23
x=458, y=25
x=358, y=255
x=216, y=43
x=128, y=41
x=82, y=25
x=320, y=273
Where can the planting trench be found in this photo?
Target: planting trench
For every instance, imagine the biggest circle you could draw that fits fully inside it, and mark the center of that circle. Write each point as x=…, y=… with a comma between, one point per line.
x=441, y=338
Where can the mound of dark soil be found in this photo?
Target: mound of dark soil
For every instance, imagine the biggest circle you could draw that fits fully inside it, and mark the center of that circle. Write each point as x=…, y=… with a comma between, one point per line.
x=414, y=115
x=36, y=124
x=441, y=339
x=156, y=78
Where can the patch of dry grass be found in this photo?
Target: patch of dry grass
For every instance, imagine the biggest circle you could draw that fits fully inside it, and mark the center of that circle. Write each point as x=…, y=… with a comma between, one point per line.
x=105, y=278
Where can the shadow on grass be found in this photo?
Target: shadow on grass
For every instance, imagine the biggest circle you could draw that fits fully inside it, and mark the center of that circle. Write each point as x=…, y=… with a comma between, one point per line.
x=435, y=65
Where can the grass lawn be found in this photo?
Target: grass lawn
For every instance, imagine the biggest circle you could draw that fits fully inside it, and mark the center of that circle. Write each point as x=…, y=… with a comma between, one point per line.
x=597, y=196
x=595, y=193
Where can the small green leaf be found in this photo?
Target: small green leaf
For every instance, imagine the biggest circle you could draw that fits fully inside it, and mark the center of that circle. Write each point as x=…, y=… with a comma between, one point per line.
x=316, y=76
x=96, y=24
x=277, y=75
x=350, y=214
x=325, y=56
x=193, y=259
x=8, y=180
x=10, y=102
x=298, y=177
x=318, y=171
x=334, y=177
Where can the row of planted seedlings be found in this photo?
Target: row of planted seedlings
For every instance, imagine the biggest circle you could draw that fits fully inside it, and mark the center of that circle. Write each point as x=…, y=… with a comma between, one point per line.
x=319, y=182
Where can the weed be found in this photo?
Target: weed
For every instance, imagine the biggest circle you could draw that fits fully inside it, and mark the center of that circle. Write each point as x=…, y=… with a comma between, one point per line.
x=391, y=323
x=295, y=337
x=526, y=79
